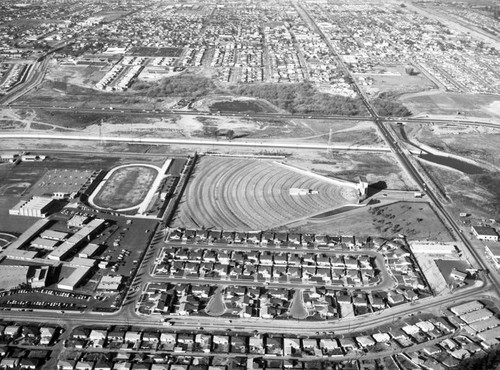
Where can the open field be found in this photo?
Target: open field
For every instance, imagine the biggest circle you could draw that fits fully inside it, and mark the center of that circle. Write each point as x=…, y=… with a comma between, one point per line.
x=246, y=194
x=126, y=187
x=393, y=79
x=477, y=193
x=106, y=122
x=416, y=220
x=379, y=168
x=480, y=106
x=473, y=142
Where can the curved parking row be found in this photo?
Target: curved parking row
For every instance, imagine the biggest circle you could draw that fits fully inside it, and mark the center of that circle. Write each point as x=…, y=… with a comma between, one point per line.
x=248, y=194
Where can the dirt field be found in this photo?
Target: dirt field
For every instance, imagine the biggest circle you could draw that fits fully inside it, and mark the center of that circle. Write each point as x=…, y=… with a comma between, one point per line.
x=417, y=221
x=468, y=193
x=126, y=187
x=478, y=194
x=474, y=142
x=394, y=79
x=377, y=167
x=448, y=104
x=247, y=194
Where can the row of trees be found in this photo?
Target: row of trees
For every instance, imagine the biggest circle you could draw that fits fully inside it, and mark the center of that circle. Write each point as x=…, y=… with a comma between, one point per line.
x=387, y=105
x=186, y=86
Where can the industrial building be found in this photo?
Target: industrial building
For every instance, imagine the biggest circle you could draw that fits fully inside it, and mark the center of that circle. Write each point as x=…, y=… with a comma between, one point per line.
x=485, y=233
x=34, y=207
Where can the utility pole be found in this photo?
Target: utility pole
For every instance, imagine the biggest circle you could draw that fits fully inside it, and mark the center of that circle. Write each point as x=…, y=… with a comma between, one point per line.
x=328, y=149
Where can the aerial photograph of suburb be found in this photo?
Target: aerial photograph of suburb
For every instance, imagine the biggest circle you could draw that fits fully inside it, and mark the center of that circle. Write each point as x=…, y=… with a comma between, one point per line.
x=249, y=184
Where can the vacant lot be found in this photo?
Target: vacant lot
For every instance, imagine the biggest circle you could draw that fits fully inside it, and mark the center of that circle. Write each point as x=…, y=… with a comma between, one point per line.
x=416, y=220
x=393, y=79
x=377, y=167
x=481, y=106
x=126, y=187
x=247, y=194
x=476, y=193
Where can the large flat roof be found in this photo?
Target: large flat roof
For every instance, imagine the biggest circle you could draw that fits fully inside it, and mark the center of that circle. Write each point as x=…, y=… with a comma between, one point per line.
x=75, y=239
x=466, y=307
x=74, y=278
x=485, y=230
x=44, y=243
x=51, y=234
x=27, y=235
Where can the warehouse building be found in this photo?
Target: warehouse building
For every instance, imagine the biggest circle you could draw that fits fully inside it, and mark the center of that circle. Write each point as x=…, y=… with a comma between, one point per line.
x=485, y=233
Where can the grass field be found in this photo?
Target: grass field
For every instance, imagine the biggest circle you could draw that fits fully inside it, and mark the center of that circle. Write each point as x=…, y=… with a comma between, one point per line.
x=297, y=308
x=416, y=220
x=247, y=194
x=216, y=305
x=126, y=187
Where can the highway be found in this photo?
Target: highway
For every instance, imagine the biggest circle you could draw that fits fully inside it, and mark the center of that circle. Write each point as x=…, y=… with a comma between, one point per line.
x=187, y=142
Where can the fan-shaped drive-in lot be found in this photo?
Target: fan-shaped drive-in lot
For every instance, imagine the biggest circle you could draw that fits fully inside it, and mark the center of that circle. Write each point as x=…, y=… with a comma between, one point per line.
x=251, y=194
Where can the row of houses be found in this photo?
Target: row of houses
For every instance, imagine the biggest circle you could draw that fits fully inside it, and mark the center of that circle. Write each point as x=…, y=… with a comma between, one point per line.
x=256, y=237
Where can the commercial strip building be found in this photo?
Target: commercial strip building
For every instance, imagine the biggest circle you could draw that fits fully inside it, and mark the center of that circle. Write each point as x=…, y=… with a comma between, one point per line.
x=433, y=247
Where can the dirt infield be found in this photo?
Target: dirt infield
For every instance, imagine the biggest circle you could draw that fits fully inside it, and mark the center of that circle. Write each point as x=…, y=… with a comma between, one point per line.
x=126, y=187
x=250, y=194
